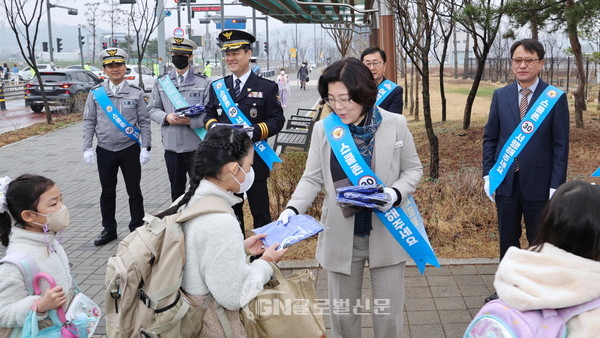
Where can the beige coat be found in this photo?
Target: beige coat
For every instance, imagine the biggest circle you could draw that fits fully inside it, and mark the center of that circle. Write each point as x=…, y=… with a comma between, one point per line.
x=396, y=164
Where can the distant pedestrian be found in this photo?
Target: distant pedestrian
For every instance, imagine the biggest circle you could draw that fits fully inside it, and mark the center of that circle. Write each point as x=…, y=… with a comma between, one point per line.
x=208, y=69
x=303, y=75
x=15, y=69
x=87, y=66
x=6, y=71
x=115, y=112
x=254, y=66
x=283, y=81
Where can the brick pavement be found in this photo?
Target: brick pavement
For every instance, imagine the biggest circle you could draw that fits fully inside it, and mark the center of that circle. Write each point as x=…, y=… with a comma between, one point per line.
x=439, y=304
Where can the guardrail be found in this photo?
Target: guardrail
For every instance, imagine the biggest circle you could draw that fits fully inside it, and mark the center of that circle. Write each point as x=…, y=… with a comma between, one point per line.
x=10, y=90
x=268, y=73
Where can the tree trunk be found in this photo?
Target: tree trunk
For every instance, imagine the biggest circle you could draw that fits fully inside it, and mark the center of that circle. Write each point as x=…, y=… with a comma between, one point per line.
x=466, y=60
x=473, y=92
x=434, y=156
x=38, y=76
x=417, y=97
x=455, y=54
x=405, y=79
x=412, y=95
x=580, y=105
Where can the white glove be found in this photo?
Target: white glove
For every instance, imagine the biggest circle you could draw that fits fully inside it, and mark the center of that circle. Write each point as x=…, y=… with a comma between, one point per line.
x=144, y=156
x=89, y=157
x=486, y=188
x=552, y=191
x=250, y=134
x=393, y=198
x=285, y=215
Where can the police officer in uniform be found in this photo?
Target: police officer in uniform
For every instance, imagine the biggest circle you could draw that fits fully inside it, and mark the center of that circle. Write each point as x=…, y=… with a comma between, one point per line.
x=179, y=134
x=119, y=139
x=257, y=99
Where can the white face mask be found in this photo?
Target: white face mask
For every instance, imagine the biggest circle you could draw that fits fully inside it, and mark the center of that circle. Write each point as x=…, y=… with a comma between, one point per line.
x=282, y=72
x=56, y=221
x=248, y=180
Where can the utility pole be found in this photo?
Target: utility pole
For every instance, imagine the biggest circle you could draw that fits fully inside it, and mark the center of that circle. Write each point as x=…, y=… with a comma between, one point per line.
x=50, y=47
x=80, y=45
x=222, y=29
x=161, y=38
x=268, y=57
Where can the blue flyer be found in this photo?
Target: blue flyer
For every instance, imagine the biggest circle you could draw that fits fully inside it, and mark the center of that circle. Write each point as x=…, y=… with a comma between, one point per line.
x=298, y=228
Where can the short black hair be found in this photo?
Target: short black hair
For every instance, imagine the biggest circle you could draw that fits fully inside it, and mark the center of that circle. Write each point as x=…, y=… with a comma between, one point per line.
x=372, y=50
x=356, y=77
x=530, y=45
x=571, y=220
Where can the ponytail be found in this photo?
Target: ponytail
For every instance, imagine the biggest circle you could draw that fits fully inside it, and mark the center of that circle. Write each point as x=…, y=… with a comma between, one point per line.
x=4, y=228
x=221, y=145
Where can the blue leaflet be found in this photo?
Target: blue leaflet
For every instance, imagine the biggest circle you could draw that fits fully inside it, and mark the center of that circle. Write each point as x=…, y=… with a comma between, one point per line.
x=190, y=111
x=298, y=228
x=366, y=196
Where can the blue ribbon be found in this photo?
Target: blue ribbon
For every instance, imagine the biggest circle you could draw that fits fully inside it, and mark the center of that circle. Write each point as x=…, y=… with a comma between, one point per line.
x=115, y=116
x=177, y=99
x=384, y=89
x=596, y=173
x=236, y=116
x=396, y=220
x=522, y=134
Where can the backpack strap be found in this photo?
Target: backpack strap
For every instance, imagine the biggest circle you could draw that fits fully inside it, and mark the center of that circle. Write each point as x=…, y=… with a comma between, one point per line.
x=25, y=264
x=205, y=205
x=569, y=312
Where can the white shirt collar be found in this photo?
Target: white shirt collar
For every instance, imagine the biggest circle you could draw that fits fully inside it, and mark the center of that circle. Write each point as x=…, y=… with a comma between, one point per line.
x=184, y=75
x=242, y=78
x=532, y=87
x=115, y=88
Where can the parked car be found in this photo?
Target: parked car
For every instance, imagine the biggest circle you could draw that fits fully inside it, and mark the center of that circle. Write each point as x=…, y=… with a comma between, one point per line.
x=97, y=71
x=25, y=73
x=133, y=73
x=60, y=86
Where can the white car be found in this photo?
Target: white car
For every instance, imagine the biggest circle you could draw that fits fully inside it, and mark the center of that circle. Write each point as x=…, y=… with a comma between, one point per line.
x=25, y=73
x=97, y=71
x=133, y=73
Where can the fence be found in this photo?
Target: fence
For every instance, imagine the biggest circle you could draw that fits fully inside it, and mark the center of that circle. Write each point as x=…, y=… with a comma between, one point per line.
x=10, y=90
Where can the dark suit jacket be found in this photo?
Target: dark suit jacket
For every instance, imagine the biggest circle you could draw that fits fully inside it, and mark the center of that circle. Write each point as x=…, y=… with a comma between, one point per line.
x=259, y=102
x=543, y=161
x=393, y=102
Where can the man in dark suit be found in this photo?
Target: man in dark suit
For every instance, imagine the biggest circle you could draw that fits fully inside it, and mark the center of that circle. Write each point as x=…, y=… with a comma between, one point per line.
x=257, y=99
x=374, y=58
x=542, y=164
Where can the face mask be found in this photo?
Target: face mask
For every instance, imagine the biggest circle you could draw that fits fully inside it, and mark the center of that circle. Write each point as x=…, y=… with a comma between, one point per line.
x=180, y=61
x=56, y=221
x=282, y=72
x=249, y=179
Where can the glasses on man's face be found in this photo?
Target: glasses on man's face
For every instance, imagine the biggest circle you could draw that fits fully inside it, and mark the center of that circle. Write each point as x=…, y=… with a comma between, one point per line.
x=341, y=102
x=374, y=64
x=528, y=62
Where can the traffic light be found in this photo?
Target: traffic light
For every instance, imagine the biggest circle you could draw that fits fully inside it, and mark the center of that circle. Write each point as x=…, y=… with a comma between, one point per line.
x=267, y=47
x=59, y=45
x=81, y=40
x=114, y=43
x=104, y=45
x=45, y=46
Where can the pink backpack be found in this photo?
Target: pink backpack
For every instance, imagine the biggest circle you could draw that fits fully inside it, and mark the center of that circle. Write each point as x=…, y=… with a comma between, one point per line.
x=499, y=320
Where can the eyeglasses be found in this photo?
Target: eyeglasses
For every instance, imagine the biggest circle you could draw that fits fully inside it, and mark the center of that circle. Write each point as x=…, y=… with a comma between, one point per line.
x=519, y=61
x=341, y=102
x=374, y=64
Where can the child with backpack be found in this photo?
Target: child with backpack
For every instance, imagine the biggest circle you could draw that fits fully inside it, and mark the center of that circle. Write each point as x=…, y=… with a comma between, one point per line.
x=555, y=281
x=216, y=261
x=35, y=203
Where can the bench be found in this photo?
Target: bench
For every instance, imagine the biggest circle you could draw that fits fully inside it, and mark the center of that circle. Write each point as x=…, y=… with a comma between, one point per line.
x=298, y=130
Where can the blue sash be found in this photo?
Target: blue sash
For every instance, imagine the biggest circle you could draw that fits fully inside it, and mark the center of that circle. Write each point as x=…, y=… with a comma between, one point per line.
x=384, y=89
x=115, y=116
x=596, y=173
x=236, y=116
x=396, y=220
x=522, y=134
x=177, y=99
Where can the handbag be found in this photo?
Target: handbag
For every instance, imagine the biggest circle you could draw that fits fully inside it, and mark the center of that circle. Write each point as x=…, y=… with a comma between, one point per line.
x=307, y=79
x=286, y=307
x=82, y=308
x=61, y=328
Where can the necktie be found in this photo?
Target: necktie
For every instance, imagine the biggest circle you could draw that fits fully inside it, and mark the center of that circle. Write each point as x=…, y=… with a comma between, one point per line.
x=237, y=88
x=523, y=107
x=180, y=79
x=115, y=90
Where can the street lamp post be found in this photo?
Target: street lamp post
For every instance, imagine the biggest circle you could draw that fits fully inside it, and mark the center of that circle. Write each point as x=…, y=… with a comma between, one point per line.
x=71, y=11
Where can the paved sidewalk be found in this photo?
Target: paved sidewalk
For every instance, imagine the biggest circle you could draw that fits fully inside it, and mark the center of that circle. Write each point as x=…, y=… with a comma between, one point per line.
x=439, y=304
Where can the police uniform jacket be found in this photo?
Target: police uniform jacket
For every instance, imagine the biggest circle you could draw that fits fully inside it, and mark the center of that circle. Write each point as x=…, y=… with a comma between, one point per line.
x=258, y=100
x=179, y=138
x=129, y=100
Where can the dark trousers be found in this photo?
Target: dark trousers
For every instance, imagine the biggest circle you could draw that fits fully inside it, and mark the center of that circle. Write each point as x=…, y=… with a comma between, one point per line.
x=258, y=198
x=511, y=209
x=179, y=165
x=109, y=163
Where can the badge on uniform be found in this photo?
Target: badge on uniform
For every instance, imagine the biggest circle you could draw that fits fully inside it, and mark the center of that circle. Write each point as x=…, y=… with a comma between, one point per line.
x=219, y=111
x=253, y=112
x=128, y=104
x=257, y=95
x=194, y=94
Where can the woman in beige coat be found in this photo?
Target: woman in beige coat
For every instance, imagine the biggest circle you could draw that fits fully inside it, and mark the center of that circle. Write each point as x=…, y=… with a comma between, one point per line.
x=352, y=236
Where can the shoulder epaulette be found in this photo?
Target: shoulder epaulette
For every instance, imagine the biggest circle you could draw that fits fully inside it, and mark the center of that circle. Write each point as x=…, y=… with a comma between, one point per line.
x=97, y=86
x=135, y=86
x=201, y=74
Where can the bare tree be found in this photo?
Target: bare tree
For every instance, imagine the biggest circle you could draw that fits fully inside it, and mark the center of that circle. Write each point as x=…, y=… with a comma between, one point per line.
x=144, y=18
x=342, y=34
x=23, y=17
x=481, y=19
x=415, y=20
x=115, y=14
x=93, y=16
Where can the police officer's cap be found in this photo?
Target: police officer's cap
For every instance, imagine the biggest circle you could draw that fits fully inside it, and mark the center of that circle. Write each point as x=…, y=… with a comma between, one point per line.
x=235, y=39
x=181, y=45
x=113, y=55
